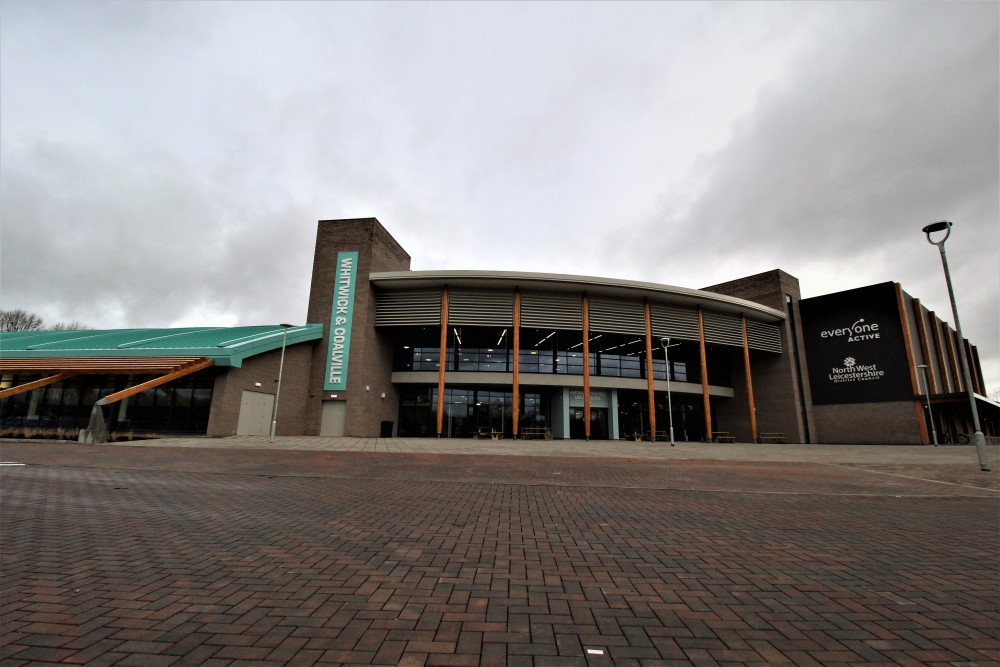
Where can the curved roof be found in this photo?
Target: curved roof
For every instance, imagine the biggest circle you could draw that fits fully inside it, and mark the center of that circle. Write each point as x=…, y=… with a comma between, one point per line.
x=227, y=346
x=569, y=283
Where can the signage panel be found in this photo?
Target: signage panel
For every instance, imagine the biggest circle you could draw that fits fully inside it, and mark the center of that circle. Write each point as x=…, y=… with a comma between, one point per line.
x=855, y=350
x=598, y=398
x=341, y=317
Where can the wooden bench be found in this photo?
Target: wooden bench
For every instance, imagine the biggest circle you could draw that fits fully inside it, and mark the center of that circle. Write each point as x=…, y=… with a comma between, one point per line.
x=486, y=432
x=724, y=436
x=771, y=437
x=532, y=432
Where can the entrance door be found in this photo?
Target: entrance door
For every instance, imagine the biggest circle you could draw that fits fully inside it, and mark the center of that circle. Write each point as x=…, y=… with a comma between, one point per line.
x=599, y=423
x=334, y=415
x=255, y=413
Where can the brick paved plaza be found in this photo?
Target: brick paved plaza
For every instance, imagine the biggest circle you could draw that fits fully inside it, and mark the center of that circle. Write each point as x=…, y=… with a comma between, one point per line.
x=139, y=555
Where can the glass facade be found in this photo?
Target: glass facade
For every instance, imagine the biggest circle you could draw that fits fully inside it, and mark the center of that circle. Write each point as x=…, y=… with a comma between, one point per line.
x=549, y=352
x=181, y=406
x=467, y=410
x=552, y=351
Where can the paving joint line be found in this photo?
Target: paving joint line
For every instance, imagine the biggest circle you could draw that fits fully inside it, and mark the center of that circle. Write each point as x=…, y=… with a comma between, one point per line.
x=921, y=479
x=545, y=484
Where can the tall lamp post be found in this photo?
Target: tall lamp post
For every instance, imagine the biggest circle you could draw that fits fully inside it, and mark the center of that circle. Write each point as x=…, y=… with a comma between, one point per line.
x=927, y=391
x=977, y=438
x=281, y=368
x=665, y=343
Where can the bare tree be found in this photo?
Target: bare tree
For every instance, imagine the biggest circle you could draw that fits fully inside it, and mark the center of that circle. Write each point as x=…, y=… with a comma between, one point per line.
x=75, y=325
x=20, y=320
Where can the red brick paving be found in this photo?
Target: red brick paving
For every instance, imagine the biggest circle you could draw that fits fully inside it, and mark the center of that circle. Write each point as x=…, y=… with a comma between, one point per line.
x=229, y=557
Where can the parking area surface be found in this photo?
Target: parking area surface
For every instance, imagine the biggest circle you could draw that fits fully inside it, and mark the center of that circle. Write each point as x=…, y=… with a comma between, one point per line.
x=180, y=554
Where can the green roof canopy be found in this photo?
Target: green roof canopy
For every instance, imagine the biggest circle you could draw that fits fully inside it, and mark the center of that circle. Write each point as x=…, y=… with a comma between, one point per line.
x=227, y=346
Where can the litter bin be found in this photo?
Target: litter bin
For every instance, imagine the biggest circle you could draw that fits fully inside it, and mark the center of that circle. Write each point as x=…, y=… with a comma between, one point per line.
x=386, y=430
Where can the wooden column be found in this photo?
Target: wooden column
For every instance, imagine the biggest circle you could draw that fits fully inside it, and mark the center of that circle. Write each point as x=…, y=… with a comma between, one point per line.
x=918, y=406
x=704, y=376
x=974, y=362
x=946, y=386
x=649, y=372
x=517, y=360
x=925, y=348
x=442, y=358
x=746, y=364
x=586, y=366
x=956, y=369
x=977, y=381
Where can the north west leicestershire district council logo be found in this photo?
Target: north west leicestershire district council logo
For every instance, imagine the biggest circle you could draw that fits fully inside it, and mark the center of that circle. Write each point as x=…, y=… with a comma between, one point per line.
x=849, y=361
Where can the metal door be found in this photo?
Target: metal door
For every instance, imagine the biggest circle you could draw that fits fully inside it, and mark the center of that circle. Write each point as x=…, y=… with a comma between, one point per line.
x=334, y=414
x=255, y=413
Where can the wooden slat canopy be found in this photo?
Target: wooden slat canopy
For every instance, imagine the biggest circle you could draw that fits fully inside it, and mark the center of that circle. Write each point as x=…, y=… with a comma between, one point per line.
x=168, y=368
x=97, y=365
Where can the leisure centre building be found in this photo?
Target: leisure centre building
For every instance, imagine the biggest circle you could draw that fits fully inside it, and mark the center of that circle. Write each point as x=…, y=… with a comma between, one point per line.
x=391, y=352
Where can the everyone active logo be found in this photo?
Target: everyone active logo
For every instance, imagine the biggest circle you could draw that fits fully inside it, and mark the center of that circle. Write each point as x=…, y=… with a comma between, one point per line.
x=852, y=371
x=859, y=331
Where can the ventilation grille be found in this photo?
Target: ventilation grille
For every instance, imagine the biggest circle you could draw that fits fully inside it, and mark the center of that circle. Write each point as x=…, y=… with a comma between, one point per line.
x=764, y=337
x=393, y=309
x=673, y=322
x=480, y=308
x=723, y=329
x=551, y=310
x=617, y=316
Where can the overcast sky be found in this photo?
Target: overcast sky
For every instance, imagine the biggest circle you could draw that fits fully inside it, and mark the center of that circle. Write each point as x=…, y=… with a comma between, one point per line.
x=164, y=164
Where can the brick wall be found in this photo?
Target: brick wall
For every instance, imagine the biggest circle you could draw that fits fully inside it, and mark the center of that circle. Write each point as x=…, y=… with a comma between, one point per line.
x=229, y=386
x=776, y=384
x=370, y=360
x=867, y=423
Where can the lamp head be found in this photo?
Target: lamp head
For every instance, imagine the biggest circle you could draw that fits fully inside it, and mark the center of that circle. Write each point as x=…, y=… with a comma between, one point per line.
x=940, y=226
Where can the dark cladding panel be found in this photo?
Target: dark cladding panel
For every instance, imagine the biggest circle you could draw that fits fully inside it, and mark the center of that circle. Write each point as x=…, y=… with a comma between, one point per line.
x=626, y=316
x=855, y=348
x=763, y=336
x=678, y=323
x=552, y=310
x=723, y=329
x=407, y=308
x=468, y=308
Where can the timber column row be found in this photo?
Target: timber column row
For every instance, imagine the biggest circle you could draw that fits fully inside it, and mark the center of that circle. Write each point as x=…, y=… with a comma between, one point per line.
x=584, y=305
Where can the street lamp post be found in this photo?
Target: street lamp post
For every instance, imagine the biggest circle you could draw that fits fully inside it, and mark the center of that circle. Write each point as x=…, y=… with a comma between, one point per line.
x=665, y=343
x=281, y=368
x=927, y=391
x=977, y=438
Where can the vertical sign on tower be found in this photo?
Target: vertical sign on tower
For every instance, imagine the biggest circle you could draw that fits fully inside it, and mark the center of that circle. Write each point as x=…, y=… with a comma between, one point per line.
x=340, y=322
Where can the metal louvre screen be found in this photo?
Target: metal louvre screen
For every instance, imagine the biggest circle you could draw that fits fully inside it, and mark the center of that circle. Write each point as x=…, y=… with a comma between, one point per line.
x=673, y=322
x=407, y=308
x=764, y=337
x=466, y=308
x=617, y=316
x=723, y=329
x=555, y=310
